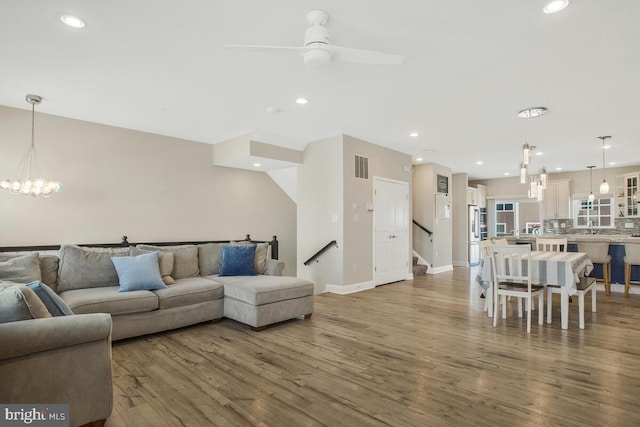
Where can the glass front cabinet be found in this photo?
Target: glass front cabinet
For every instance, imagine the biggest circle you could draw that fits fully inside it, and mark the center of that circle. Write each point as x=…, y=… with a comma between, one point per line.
x=629, y=195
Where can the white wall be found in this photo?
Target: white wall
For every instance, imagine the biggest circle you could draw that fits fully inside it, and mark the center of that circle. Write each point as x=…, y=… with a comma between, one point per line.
x=460, y=219
x=123, y=182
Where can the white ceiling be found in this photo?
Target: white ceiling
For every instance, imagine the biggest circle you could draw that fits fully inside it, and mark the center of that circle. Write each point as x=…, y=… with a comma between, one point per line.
x=160, y=67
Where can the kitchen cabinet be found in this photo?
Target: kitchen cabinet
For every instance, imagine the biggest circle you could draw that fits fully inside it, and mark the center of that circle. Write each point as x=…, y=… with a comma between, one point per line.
x=631, y=194
x=482, y=196
x=557, y=200
x=472, y=196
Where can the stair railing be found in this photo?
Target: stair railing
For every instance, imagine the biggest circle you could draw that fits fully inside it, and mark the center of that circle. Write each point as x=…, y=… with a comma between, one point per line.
x=321, y=251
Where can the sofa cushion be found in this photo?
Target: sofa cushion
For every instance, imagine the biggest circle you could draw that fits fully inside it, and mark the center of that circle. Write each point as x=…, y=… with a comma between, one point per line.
x=49, y=270
x=138, y=272
x=165, y=260
x=259, y=290
x=191, y=290
x=82, y=267
x=21, y=268
x=260, y=259
x=18, y=302
x=109, y=300
x=55, y=305
x=210, y=258
x=238, y=261
x=185, y=259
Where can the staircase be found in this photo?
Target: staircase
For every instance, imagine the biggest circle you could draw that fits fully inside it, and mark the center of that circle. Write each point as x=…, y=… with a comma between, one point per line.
x=418, y=269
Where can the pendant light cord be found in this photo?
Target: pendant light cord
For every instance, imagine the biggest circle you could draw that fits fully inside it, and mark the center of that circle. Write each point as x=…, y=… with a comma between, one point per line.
x=33, y=120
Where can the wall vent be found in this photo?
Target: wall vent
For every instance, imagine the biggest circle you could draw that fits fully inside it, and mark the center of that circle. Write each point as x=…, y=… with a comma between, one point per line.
x=362, y=167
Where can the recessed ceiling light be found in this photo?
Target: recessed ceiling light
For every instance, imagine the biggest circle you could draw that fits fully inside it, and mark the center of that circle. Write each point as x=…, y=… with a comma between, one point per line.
x=606, y=147
x=414, y=134
x=612, y=163
x=507, y=174
x=479, y=162
x=558, y=169
x=72, y=21
x=555, y=6
x=419, y=159
x=533, y=112
x=539, y=153
x=256, y=165
x=302, y=101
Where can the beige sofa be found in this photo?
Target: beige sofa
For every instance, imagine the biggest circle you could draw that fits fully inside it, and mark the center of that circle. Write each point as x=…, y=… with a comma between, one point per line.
x=85, y=279
x=64, y=360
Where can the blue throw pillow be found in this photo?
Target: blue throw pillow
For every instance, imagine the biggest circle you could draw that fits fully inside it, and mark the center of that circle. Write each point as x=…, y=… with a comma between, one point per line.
x=51, y=300
x=238, y=260
x=141, y=272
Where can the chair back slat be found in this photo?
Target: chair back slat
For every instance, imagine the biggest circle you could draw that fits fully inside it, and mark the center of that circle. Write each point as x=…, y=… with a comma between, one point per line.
x=501, y=241
x=551, y=244
x=485, y=247
x=511, y=263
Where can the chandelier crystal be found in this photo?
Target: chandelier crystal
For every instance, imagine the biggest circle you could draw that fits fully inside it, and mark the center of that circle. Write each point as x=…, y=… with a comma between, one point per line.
x=30, y=178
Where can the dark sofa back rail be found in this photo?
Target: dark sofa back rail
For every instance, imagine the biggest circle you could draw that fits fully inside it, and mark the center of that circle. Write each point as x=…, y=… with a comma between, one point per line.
x=124, y=243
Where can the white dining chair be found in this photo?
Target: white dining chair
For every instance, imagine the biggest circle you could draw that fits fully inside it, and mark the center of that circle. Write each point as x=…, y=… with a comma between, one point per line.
x=512, y=277
x=551, y=245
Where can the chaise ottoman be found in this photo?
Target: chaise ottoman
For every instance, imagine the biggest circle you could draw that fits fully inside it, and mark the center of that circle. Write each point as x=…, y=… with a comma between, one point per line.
x=262, y=300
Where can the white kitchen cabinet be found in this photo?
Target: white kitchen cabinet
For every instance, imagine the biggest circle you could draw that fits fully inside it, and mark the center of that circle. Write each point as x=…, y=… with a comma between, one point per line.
x=631, y=191
x=482, y=196
x=472, y=196
x=557, y=200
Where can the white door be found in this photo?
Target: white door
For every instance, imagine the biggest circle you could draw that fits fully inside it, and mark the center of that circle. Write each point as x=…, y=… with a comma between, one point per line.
x=391, y=231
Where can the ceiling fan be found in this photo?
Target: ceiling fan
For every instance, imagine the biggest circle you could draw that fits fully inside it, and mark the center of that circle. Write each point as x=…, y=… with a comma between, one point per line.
x=318, y=50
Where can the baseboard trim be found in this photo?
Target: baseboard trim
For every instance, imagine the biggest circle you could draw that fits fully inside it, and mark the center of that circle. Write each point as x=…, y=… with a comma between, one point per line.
x=460, y=264
x=349, y=289
x=436, y=270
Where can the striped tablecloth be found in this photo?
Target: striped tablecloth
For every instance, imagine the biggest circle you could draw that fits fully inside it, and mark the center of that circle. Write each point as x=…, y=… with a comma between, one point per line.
x=547, y=268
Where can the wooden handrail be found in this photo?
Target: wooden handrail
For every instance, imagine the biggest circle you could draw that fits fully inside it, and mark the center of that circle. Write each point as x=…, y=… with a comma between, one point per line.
x=321, y=251
x=423, y=228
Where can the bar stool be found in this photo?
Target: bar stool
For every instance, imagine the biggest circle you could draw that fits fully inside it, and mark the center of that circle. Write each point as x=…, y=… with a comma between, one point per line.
x=631, y=258
x=598, y=252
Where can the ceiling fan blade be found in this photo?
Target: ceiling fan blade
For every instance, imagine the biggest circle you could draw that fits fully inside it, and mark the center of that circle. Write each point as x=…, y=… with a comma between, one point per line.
x=361, y=56
x=267, y=49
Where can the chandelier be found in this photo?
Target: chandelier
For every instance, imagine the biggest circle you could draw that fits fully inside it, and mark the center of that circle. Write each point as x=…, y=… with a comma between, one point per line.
x=537, y=183
x=30, y=178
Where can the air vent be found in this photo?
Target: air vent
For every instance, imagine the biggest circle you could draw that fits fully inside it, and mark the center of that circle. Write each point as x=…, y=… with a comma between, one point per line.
x=362, y=167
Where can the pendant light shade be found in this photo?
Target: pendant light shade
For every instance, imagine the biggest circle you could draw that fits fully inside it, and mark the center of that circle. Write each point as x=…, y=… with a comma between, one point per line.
x=604, y=185
x=543, y=178
x=31, y=178
x=523, y=174
x=526, y=154
x=592, y=197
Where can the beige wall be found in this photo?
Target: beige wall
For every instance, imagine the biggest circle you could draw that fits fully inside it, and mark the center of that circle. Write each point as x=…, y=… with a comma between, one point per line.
x=320, y=201
x=358, y=235
x=460, y=219
x=123, y=182
x=440, y=252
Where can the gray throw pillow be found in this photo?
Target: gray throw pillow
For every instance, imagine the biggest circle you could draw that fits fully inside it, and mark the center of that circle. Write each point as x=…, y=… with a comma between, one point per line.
x=165, y=261
x=21, y=269
x=18, y=302
x=185, y=259
x=209, y=258
x=82, y=267
x=48, y=267
x=54, y=304
x=260, y=260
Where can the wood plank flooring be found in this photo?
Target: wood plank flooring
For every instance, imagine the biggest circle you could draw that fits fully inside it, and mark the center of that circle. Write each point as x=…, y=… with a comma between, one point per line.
x=414, y=353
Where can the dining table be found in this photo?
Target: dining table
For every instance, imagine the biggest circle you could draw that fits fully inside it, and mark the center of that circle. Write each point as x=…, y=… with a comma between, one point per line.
x=561, y=269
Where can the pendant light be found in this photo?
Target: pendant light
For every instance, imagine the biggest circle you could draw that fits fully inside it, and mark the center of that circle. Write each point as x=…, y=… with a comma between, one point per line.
x=543, y=178
x=592, y=197
x=523, y=173
x=604, y=185
x=30, y=178
x=526, y=154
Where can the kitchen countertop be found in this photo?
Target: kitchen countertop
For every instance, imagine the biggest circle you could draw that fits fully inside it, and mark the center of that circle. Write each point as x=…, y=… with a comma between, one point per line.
x=609, y=238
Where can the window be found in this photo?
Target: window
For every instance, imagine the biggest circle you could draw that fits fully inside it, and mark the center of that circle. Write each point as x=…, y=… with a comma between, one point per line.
x=506, y=218
x=596, y=214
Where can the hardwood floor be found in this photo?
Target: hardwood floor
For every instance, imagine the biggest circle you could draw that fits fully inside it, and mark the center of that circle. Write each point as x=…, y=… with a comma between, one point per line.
x=414, y=353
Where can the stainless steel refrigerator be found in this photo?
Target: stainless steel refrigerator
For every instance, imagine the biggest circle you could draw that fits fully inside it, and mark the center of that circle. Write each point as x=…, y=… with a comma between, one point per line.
x=474, y=235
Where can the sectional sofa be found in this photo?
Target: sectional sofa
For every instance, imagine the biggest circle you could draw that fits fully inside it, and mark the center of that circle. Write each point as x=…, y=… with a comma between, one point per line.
x=85, y=278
